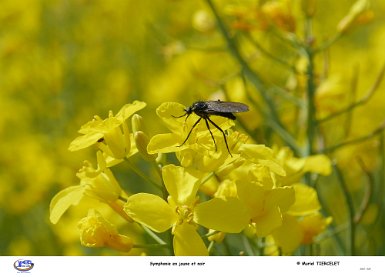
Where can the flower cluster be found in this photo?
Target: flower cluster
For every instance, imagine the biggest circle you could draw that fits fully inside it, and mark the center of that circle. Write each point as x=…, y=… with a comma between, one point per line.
x=255, y=192
x=312, y=80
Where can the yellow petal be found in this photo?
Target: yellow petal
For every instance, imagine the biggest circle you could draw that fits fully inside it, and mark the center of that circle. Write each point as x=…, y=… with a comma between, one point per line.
x=181, y=185
x=256, y=151
x=164, y=143
x=320, y=164
x=129, y=109
x=252, y=195
x=168, y=112
x=282, y=197
x=268, y=222
x=151, y=211
x=226, y=189
x=312, y=225
x=306, y=201
x=63, y=200
x=230, y=215
x=85, y=141
x=95, y=231
x=187, y=241
x=97, y=125
x=91, y=126
x=289, y=235
x=273, y=166
x=263, y=155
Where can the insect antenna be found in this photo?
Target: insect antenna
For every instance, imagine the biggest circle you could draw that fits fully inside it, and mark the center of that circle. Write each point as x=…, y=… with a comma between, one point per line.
x=179, y=116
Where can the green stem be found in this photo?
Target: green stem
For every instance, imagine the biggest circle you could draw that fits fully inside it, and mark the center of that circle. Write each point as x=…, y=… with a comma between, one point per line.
x=350, y=206
x=143, y=176
x=381, y=170
x=271, y=56
x=153, y=235
x=378, y=131
x=360, y=102
x=328, y=43
x=158, y=168
x=256, y=81
x=367, y=194
x=311, y=86
x=311, y=109
x=247, y=246
x=211, y=246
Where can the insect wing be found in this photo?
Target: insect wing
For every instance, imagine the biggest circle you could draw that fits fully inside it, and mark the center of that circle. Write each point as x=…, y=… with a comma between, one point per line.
x=226, y=107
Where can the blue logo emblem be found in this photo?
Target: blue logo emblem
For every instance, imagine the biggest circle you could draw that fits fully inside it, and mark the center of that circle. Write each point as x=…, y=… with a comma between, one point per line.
x=23, y=265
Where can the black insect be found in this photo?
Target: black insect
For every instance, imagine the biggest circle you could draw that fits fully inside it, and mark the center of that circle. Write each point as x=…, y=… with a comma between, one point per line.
x=204, y=109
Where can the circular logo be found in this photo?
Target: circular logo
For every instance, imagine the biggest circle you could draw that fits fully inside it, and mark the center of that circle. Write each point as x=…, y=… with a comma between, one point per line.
x=23, y=265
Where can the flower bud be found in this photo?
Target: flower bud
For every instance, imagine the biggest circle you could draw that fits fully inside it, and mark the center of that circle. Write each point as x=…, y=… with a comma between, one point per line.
x=95, y=231
x=137, y=123
x=116, y=143
x=203, y=21
x=217, y=237
x=359, y=8
x=141, y=141
x=279, y=15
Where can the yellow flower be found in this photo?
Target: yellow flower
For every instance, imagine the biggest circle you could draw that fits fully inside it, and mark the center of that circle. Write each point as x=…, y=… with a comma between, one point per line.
x=199, y=150
x=111, y=134
x=262, y=156
x=97, y=183
x=265, y=205
x=182, y=214
x=279, y=14
x=295, y=231
x=289, y=235
x=302, y=222
x=295, y=168
x=306, y=200
x=95, y=231
x=141, y=138
x=312, y=225
x=63, y=200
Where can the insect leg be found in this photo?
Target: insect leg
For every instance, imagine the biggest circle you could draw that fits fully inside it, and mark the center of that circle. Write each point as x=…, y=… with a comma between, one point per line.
x=208, y=127
x=224, y=135
x=189, y=133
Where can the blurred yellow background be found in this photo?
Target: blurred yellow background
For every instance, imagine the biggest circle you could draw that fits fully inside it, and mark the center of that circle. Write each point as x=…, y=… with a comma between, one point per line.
x=64, y=61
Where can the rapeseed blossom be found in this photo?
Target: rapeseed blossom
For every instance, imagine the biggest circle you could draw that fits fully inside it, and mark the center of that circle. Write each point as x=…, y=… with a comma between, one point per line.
x=256, y=188
x=266, y=191
x=95, y=231
x=97, y=183
x=111, y=134
x=198, y=151
x=182, y=213
x=313, y=93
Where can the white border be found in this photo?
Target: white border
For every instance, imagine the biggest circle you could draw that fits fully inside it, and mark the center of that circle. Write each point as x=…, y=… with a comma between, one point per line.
x=159, y=266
